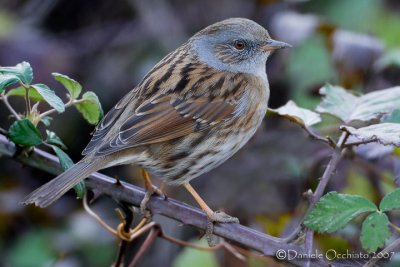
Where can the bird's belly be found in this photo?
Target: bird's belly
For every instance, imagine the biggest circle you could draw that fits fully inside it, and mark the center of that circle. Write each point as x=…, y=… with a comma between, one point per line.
x=211, y=157
x=219, y=146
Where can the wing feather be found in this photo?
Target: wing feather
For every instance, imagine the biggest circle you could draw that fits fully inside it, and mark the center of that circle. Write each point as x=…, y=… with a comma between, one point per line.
x=167, y=118
x=183, y=101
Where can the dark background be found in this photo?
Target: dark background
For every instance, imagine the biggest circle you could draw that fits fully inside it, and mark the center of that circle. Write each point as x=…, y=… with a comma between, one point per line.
x=108, y=46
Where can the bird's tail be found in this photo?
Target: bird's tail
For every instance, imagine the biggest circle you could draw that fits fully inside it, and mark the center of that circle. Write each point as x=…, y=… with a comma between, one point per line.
x=53, y=190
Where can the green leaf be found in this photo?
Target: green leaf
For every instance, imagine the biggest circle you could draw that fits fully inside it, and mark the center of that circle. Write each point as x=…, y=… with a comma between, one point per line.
x=384, y=133
x=21, y=91
x=51, y=98
x=390, y=201
x=65, y=161
x=374, y=231
x=23, y=132
x=7, y=80
x=53, y=139
x=90, y=107
x=22, y=70
x=348, y=107
x=302, y=116
x=73, y=87
x=335, y=210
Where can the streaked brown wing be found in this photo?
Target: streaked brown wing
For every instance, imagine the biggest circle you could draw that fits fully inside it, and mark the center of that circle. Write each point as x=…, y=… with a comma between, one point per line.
x=107, y=122
x=168, y=117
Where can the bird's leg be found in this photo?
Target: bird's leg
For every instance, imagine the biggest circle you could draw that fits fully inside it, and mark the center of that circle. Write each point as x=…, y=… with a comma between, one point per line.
x=150, y=190
x=213, y=216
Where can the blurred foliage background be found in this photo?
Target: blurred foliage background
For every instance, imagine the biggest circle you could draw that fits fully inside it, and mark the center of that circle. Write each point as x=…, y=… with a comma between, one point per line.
x=108, y=46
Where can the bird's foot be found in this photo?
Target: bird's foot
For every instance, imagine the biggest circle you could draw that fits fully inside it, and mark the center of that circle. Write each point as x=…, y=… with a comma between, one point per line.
x=152, y=189
x=217, y=217
x=222, y=217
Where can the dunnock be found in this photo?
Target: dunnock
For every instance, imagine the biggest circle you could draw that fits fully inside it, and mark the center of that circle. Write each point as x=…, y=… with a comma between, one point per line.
x=190, y=113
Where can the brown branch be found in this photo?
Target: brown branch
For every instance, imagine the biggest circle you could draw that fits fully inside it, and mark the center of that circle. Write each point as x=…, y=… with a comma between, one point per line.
x=181, y=212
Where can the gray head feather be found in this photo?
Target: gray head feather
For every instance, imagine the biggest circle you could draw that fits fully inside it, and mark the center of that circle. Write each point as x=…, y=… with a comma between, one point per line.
x=215, y=46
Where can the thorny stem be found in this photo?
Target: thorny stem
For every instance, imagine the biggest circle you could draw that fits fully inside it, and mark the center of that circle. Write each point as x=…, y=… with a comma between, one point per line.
x=9, y=107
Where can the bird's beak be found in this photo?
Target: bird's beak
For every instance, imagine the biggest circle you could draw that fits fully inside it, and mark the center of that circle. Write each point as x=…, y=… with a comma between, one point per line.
x=272, y=45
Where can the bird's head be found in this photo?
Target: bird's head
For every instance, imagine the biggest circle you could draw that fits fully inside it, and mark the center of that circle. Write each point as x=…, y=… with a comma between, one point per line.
x=236, y=45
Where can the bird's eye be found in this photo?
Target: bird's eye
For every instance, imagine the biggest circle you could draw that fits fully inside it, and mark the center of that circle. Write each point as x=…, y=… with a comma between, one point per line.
x=239, y=45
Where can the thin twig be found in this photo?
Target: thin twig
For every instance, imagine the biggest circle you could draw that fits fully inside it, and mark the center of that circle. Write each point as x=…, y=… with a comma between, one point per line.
x=9, y=107
x=66, y=105
x=315, y=136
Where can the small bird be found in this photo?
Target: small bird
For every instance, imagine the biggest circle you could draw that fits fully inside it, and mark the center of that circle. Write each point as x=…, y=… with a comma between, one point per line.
x=195, y=109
